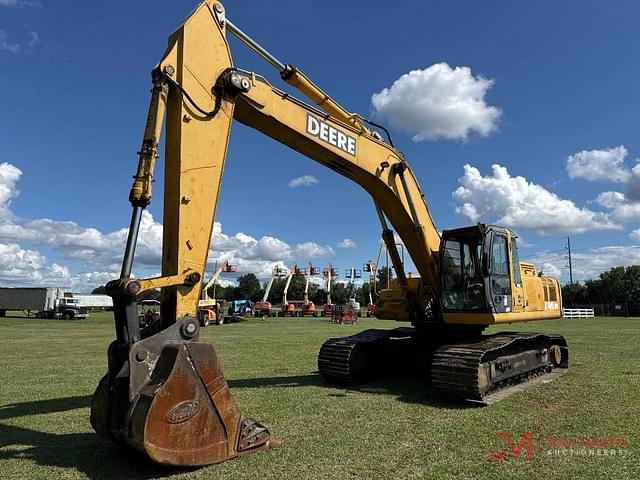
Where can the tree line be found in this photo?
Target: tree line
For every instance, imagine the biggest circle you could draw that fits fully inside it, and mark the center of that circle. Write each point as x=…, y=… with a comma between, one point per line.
x=620, y=285
x=249, y=287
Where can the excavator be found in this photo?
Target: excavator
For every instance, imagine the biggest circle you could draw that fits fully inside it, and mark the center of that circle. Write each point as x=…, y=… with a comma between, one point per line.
x=209, y=310
x=263, y=307
x=164, y=392
x=308, y=308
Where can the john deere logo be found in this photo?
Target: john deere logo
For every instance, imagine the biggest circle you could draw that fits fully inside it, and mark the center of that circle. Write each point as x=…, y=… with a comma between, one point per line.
x=331, y=135
x=183, y=411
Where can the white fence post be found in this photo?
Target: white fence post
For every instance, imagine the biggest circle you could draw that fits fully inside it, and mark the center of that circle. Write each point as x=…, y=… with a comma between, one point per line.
x=578, y=313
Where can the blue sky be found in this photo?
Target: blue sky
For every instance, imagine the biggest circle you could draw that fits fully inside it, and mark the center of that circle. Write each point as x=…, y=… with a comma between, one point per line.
x=562, y=75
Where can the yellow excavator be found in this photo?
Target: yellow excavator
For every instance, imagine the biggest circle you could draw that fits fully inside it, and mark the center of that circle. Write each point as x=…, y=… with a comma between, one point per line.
x=165, y=393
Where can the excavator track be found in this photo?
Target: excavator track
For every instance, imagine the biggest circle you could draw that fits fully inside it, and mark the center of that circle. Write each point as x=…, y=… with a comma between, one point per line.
x=482, y=370
x=496, y=366
x=357, y=358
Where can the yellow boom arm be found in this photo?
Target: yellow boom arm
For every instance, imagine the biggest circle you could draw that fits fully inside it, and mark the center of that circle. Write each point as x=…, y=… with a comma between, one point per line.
x=203, y=93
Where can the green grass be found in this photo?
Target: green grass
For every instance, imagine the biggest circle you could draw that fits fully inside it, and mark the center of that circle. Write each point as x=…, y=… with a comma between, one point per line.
x=389, y=429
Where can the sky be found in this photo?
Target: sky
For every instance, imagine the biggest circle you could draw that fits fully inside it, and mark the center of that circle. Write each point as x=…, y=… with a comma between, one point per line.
x=522, y=114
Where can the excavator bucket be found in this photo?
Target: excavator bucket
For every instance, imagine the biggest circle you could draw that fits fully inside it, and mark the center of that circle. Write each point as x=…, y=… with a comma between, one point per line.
x=167, y=397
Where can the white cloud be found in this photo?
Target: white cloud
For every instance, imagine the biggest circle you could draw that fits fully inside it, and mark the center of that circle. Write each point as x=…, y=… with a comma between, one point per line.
x=438, y=102
x=303, y=181
x=595, y=165
x=19, y=3
x=6, y=45
x=516, y=202
x=100, y=253
x=346, y=243
x=588, y=264
x=622, y=209
x=608, y=164
x=550, y=270
x=635, y=235
x=9, y=176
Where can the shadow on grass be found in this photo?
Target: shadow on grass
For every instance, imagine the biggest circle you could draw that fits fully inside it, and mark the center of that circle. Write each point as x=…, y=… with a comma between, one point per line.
x=407, y=388
x=88, y=453
x=51, y=405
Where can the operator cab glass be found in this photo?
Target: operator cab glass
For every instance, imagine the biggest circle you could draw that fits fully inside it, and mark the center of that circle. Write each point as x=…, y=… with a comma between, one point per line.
x=476, y=269
x=461, y=274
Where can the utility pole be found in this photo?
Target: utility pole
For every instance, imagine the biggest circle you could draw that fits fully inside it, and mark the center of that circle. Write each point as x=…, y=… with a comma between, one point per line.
x=568, y=247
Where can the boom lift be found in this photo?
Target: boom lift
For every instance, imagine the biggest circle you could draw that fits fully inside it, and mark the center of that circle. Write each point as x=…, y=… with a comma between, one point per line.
x=288, y=309
x=209, y=309
x=330, y=273
x=308, y=307
x=263, y=307
x=371, y=269
x=165, y=393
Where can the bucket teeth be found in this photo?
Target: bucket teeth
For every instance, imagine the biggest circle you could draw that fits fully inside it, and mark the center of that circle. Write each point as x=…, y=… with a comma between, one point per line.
x=252, y=435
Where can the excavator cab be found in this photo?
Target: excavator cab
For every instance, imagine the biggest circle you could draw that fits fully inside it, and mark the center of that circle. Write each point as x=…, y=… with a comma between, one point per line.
x=462, y=283
x=483, y=282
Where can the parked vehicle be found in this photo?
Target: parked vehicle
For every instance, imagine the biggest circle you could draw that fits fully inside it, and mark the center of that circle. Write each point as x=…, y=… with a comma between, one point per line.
x=41, y=303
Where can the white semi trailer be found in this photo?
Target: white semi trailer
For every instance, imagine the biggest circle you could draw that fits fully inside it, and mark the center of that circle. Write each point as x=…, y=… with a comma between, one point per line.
x=41, y=303
x=93, y=300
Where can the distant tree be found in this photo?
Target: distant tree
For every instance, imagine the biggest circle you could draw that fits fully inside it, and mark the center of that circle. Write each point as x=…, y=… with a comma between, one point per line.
x=275, y=295
x=248, y=288
x=296, y=289
x=339, y=293
x=319, y=297
x=574, y=294
x=362, y=294
x=619, y=285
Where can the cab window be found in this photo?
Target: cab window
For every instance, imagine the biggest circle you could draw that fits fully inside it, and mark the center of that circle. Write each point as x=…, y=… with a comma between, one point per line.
x=462, y=282
x=500, y=284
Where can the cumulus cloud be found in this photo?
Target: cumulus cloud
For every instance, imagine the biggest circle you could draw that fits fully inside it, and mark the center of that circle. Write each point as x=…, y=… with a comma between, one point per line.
x=516, y=202
x=608, y=164
x=595, y=165
x=438, y=102
x=303, y=181
x=550, y=270
x=623, y=209
x=588, y=264
x=346, y=243
x=100, y=253
x=9, y=176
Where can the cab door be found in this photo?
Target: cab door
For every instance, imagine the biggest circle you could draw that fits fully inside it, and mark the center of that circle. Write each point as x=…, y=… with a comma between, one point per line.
x=517, y=290
x=499, y=273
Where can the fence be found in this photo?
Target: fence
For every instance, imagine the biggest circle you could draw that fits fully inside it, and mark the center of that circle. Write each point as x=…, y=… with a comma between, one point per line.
x=578, y=313
x=621, y=309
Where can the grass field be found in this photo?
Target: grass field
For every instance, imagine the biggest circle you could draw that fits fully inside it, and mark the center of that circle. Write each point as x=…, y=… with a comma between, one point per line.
x=389, y=429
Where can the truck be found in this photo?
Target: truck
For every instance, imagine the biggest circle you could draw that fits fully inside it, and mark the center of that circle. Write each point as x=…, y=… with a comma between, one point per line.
x=41, y=303
x=94, y=300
